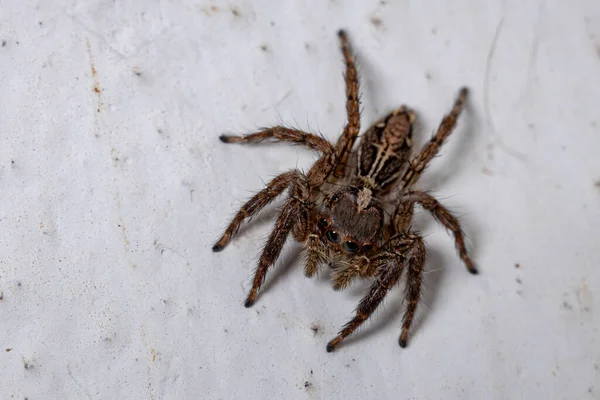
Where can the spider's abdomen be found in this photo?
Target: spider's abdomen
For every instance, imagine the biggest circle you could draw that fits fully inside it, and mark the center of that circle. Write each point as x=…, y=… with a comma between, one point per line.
x=384, y=150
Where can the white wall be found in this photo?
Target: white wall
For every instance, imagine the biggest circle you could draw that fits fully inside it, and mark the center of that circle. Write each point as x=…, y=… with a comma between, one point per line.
x=115, y=186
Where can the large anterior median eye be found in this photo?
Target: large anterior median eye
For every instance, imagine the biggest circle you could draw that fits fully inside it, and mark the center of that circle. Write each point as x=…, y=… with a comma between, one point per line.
x=333, y=236
x=350, y=247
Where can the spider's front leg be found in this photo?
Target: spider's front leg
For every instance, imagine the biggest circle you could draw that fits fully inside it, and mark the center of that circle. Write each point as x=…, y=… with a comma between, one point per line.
x=295, y=215
x=257, y=203
x=404, y=250
x=287, y=219
x=404, y=212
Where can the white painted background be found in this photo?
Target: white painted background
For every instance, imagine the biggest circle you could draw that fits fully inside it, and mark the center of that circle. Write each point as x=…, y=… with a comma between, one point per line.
x=115, y=186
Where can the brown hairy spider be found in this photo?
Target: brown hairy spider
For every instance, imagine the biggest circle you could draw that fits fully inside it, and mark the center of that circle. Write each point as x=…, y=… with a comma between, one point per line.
x=339, y=209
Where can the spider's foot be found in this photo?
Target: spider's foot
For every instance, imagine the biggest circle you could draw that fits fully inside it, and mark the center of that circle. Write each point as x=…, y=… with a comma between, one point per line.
x=217, y=247
x=471, y=267
x=250, y=299
x=228, y=138
x=221, y=243
x=333, y=343
x=403, y=340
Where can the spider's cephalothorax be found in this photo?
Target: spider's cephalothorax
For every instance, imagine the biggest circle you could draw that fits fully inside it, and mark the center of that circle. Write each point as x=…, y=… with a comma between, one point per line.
x=352, y=210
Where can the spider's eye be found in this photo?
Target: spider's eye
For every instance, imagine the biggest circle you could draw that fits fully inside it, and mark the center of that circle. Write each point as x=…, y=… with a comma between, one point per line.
x=335, y=197
x=333, y=236
x=367, y=247
x=350, y=247
x=323, y=223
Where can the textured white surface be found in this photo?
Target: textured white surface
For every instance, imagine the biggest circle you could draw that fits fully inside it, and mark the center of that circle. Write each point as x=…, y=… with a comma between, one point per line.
x=115, y=187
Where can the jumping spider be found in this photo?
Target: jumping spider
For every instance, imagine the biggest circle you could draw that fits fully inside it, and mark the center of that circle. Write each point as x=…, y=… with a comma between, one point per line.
x=339, y=209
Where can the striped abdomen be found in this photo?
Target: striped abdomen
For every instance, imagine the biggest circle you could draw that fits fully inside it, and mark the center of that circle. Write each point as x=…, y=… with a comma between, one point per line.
x=384, y=150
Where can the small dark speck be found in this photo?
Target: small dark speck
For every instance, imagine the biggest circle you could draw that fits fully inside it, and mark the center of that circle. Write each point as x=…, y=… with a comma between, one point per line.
x=235, y=12
x=258, y=312
x=165, y=301
x=264, y=47
x=427, y=76
x=590, y=389
x=272, y=23
x=307, y=46
x=567, y=306
x=137, y=71
x=4, y=43
x=307, y=385
x=376, y=21
x=40, y=23
x=597, y=184
x=7, y=350
x=519, y=280
x=520, y=292
x=225, y=330
x=347, y=365
x=19, y=284
x=311, y=371
x=1, y=295
x=315, y=328
x=27, y=365
x=517, y=265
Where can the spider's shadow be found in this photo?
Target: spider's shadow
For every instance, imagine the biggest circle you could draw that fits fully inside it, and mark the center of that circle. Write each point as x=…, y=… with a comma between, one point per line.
x=290, y=258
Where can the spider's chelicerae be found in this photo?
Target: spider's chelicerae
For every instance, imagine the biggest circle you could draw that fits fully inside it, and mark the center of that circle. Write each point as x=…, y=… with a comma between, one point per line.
x=352, y=210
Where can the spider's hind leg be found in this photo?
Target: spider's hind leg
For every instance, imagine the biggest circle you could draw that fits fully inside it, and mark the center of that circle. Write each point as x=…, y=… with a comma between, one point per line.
x=344, y=144
x=421, y=160
x=282, y=134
